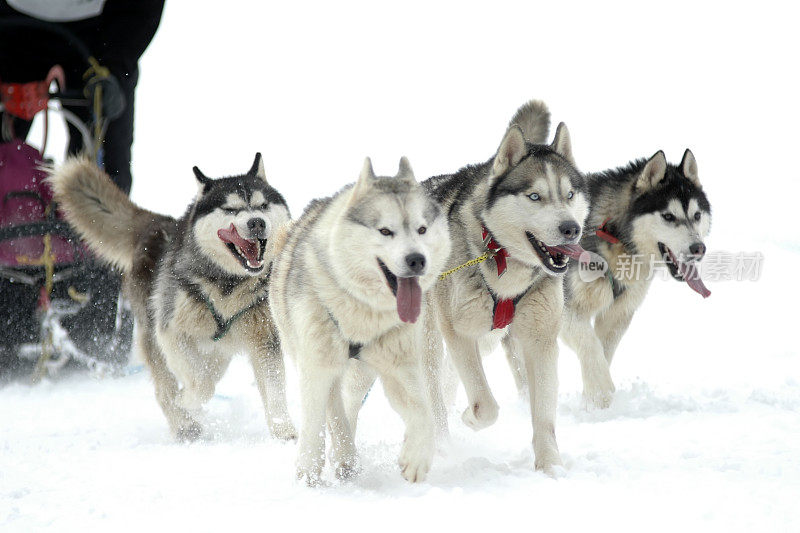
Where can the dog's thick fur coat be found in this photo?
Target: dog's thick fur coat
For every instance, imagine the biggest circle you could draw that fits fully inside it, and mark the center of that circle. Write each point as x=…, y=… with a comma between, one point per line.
x=349, y=284
x=176, y=271
x=529, y=197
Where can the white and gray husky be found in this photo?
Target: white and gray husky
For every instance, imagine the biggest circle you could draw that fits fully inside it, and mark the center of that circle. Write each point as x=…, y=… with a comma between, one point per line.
x=523, y=209
x=197, y=285
x=647, y=213
x=349, y=283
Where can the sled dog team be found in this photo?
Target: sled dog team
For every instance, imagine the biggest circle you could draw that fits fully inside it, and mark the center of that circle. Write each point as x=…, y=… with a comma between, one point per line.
x=374, y=281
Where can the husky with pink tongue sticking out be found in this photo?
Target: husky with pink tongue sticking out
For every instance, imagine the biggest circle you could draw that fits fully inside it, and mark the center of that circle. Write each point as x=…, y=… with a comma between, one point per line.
x=197, y=285
x=646, y=214
x=347, y=292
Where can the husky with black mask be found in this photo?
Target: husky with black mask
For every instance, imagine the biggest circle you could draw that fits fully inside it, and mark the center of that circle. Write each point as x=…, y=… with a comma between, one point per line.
x=645, y=215
x=197, y=285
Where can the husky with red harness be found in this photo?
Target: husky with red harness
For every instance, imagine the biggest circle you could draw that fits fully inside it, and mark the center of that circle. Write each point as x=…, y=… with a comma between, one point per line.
x=647, y=214
x=515, y=221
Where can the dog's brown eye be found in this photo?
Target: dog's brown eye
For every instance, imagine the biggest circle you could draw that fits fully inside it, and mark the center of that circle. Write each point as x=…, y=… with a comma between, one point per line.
x=386, y=231
x=697, y=216
x=422, y=230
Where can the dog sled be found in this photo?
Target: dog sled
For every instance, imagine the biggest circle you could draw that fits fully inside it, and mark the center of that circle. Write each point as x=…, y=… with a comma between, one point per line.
x=57, y=302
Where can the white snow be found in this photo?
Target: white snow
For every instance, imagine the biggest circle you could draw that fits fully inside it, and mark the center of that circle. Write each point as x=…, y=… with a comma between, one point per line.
x=703, y=434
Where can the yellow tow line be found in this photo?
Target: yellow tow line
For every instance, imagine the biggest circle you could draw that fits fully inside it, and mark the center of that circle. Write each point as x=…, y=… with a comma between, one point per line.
x=471, y=262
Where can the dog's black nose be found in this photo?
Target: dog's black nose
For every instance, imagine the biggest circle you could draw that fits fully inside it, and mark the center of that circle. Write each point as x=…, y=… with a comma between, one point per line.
x=569, y=229
x=416, y=263
x=257, y=226
x=698, y=249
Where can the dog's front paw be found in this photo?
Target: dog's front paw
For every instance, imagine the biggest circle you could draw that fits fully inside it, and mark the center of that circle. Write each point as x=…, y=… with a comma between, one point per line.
x=415, y=460
x=598, y=391
x=189, y=432
x=311, y=475
x=283, y=430
x=347, y=469
x=549, y=462
x=481, y=414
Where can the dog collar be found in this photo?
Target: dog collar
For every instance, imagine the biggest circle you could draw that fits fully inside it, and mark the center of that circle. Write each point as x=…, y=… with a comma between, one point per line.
x=498, y=253
x=504, y=308
x=605, y=234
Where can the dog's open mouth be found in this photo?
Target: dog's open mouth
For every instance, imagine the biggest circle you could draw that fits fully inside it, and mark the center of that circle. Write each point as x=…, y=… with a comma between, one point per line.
x=555, y=258
x=249, y=253
x=407, y=292
x=683, y=271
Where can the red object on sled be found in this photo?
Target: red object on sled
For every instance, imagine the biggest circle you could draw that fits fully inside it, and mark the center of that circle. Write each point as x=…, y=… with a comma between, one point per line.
x=24, y=198
x=24, y=100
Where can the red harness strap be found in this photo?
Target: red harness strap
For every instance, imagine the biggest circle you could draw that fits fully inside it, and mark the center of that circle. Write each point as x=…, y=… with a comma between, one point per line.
x=498, y=252
x=605, y=234
x=503, y=313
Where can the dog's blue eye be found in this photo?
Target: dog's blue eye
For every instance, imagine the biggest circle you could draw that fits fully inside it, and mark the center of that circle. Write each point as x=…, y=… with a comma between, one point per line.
x=697, y=216
x=535, y=197
x=386, y=231
x=669, y=217
x=230, y=210
x=570, y=195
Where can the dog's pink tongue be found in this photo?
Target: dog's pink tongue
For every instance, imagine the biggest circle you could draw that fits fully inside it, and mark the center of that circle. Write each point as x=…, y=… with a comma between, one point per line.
x=409, y=298
x=692, y=277
x=248, y=248
x=570, y=250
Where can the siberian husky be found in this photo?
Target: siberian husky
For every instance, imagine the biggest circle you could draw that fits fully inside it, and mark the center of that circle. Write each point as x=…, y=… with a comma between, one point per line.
x=197, y=285
x=522, y=211
x=347, y=290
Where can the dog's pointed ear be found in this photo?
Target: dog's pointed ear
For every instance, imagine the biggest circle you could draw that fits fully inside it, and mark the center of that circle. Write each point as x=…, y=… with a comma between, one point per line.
x=364, y=182
x=257, y=170
x=512, y=150
x=203, y=180
x=562, y=144
x=653, y=172
x=689, y=167
x=404, y=172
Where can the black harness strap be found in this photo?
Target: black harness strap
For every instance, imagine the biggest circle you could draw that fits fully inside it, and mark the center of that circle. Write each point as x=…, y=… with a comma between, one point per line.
x=616, y=287
x=355, y=350
x=223, y=326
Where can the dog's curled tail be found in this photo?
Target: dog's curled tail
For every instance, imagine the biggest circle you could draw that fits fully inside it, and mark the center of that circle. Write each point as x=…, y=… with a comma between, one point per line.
x=533, y=118
x=99, y=211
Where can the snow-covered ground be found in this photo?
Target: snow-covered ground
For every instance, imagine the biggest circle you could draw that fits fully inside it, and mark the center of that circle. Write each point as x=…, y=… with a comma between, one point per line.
x=704, y=432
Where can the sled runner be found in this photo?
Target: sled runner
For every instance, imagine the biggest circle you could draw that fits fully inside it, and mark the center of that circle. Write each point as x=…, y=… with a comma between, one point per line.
x=57, y=303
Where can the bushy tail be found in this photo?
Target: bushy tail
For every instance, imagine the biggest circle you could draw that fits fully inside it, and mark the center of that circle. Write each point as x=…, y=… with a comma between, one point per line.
x=533, y=119
x=99, y=211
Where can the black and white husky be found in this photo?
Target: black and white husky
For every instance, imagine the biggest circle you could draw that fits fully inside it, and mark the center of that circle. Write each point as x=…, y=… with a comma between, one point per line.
x=525, y=208
x=197, y=285
x=643, y=215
